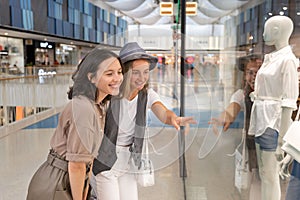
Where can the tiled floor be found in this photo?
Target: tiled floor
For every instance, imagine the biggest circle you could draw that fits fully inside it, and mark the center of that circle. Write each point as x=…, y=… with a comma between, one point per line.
x=209, y=178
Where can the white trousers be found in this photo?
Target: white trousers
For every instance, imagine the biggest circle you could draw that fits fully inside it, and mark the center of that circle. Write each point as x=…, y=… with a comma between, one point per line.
x=255, y=185
x=119, y=183
x=268, y=170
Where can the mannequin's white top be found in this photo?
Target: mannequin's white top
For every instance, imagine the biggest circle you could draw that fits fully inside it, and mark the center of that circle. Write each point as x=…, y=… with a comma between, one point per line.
x=276, y=86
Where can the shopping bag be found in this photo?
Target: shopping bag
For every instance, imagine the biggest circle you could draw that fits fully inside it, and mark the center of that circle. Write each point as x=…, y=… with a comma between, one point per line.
x=145, y=173
x=292, y=139
x=292, y=136
x=242, y=174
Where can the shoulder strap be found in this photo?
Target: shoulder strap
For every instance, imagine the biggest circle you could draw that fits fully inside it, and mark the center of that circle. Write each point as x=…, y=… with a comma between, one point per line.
x=140, y=126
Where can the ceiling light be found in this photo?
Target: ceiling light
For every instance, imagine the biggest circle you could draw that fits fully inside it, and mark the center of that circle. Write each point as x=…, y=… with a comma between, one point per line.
x=281, y=13
x=270, y=14
x=284, y=8
x=191, y=8
x=298, y=13
x=166, y=9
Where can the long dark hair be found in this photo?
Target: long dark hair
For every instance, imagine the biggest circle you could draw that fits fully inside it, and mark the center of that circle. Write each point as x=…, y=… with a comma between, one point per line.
x=89, y=65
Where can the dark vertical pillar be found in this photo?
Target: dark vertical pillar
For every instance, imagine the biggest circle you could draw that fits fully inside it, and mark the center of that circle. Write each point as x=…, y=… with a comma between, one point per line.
x=182, y=93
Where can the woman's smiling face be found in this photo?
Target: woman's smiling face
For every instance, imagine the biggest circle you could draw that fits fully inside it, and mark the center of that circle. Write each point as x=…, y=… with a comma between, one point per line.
x=140, y=74
x=109, y=77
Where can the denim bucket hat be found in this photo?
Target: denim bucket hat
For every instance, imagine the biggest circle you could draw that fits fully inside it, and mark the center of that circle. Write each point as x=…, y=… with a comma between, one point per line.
x=132, y=51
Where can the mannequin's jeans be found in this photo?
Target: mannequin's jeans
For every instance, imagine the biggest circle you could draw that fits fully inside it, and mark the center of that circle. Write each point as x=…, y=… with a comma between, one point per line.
x=119, y=183
x=293, y=191
x=268, y=165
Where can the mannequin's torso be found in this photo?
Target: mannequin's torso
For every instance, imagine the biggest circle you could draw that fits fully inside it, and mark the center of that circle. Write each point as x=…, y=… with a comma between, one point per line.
x=278, y=70
x=281, y=27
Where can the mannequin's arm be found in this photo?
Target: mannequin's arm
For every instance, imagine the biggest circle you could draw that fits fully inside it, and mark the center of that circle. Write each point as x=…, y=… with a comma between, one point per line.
x=284, y=167
x=286, y=114
x=287, y=160
x=285, y=123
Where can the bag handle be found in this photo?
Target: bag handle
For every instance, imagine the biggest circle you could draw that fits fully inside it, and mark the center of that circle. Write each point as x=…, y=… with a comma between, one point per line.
x=146, y=140
x=244, y=149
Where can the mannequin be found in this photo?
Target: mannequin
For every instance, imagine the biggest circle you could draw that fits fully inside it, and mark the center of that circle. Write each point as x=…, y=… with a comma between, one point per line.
x=275, y=95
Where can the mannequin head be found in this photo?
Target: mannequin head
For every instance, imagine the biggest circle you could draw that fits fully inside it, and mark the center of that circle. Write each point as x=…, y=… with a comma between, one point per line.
x=277, y=31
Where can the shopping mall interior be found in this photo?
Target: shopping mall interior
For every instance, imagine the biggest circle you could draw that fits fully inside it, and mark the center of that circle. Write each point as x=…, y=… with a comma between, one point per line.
x=201, y=54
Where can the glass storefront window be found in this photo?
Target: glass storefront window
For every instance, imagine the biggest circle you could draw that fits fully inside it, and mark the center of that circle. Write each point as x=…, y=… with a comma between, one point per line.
x=11, y=56
x=66, y=54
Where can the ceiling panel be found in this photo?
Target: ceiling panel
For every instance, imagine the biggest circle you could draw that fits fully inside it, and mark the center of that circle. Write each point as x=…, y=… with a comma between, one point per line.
x=147, y=12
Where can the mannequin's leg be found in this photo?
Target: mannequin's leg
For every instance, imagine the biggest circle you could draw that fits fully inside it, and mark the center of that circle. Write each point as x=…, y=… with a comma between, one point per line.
x=268, y=170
